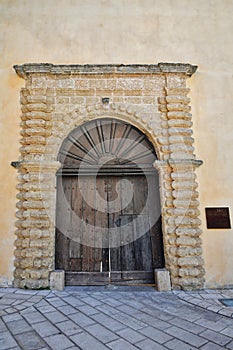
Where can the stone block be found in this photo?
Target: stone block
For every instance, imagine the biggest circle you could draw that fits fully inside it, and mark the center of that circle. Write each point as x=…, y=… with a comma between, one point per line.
x=162, y=280
x=57, y=280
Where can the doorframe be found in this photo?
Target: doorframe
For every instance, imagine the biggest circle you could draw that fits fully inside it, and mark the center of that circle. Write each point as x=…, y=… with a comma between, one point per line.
x=87, y=156
x=153, y=98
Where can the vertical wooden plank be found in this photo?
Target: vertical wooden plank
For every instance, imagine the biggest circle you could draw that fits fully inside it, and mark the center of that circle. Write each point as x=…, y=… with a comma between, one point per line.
x=144, y=261
x=137, y=204
x=104, y=219
x=88, y=191
x=140, y=194
x=127, y=224
x=114, y=243
x=111, y=208
x=157, y=244
x=101, y=226
x=127, y=248
x=149, y=202
x=155, y=222
x=75, y=247
x=154, y=209
x=127, y=188
x=114, y=203
x=63, y=222
x=140, y=230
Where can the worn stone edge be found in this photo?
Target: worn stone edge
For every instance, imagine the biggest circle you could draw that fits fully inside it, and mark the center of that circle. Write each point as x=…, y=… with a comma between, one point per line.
x=27, y=69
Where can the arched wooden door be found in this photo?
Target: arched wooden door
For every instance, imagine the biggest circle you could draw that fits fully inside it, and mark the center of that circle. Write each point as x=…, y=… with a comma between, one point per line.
x=108, y=222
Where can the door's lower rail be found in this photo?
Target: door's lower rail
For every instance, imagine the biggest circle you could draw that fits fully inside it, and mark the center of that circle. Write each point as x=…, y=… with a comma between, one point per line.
x=102, y=278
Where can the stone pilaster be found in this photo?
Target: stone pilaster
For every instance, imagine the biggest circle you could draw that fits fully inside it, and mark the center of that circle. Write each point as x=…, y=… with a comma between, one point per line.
x=181, y=232
x=166, y=197
x=184, y=218
x=35, y=226
x=181, y=222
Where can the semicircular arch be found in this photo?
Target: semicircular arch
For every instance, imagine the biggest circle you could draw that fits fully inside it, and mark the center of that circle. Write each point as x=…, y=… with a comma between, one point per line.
x=122, y=113
x=106, y=143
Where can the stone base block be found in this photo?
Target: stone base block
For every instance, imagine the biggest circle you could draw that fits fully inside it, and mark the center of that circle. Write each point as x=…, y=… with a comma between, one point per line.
x=162, y=280
x=57, y=280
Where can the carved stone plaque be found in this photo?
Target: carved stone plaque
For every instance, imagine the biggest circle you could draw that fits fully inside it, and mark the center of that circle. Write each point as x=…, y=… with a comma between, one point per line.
x=218, y=218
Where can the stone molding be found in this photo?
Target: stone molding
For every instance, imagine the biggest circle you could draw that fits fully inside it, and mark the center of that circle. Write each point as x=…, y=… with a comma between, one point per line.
x=26, y=69
x=153, y=98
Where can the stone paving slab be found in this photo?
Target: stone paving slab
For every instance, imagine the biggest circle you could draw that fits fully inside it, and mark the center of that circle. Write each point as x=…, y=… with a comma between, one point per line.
x=115, y=317
x=209, y=299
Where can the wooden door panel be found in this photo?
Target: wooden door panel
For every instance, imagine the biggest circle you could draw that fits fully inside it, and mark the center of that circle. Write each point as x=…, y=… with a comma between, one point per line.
x=135, y=249
x=109, y=222
x=130, y=229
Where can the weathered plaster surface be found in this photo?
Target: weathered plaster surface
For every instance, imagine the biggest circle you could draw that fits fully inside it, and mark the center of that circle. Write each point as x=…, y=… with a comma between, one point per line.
x=112, y=31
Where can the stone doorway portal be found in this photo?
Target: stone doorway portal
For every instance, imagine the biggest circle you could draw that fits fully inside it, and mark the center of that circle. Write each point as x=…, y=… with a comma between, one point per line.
x=153, y=98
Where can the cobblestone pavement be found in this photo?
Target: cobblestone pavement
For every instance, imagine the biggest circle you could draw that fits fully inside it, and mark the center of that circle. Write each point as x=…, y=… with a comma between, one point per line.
x=118, y=318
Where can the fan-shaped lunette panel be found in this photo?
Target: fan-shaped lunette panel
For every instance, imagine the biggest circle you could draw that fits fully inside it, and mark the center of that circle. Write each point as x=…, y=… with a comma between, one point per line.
x=106, y=145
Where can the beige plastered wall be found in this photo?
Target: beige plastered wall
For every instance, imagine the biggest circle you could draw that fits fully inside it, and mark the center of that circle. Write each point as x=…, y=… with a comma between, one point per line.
x=128, y=31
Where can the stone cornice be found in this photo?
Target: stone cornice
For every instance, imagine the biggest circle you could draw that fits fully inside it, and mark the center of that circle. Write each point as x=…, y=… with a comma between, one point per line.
x=182, y=163
x=177, y=163
x=25, y=70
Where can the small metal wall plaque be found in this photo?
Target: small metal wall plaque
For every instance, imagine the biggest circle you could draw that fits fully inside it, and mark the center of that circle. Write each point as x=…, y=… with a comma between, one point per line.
x=218, y=218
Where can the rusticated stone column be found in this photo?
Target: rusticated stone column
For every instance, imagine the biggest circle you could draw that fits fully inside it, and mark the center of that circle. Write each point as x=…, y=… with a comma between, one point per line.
x=185, y=222
x=35, y=226
x=181, y=232
x=180, y=212
x=166, y=196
